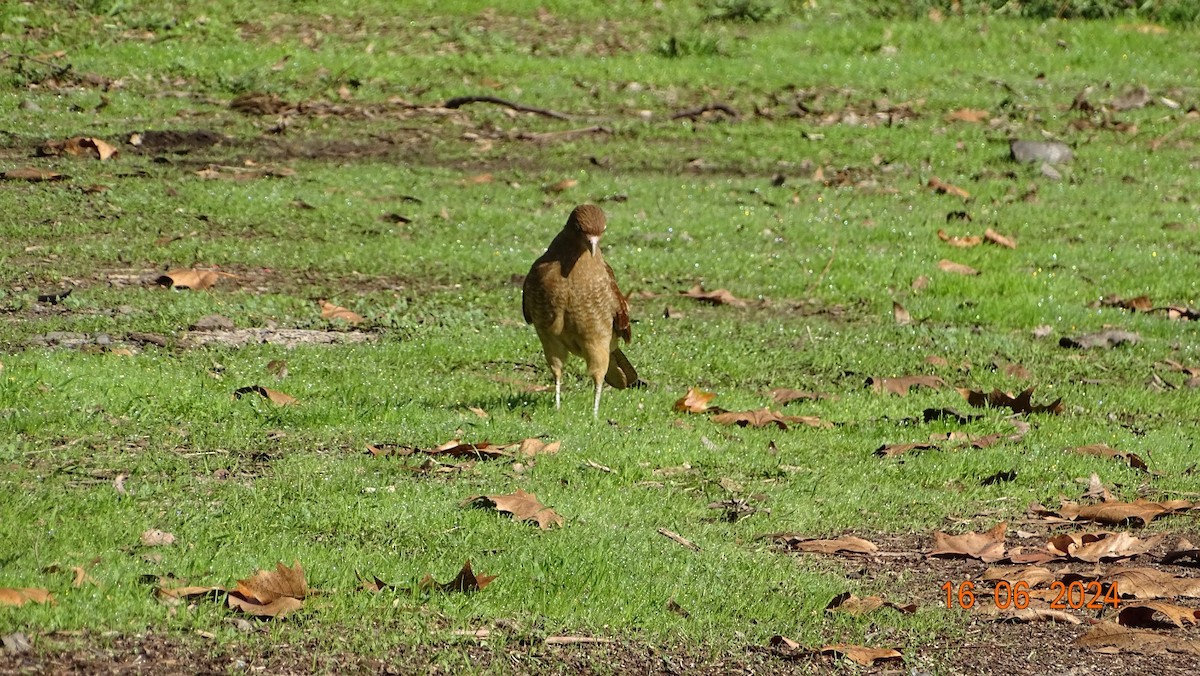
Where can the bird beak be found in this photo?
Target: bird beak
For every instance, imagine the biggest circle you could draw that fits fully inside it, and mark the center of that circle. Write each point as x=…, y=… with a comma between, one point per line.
x=594, y=241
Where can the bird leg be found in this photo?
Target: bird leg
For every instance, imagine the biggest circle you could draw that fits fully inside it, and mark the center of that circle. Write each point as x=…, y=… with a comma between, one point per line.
x=557, y=368
x=599, y=387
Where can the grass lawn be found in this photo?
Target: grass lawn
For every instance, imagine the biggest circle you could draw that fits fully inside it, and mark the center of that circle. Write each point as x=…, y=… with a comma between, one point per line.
x=823, y=163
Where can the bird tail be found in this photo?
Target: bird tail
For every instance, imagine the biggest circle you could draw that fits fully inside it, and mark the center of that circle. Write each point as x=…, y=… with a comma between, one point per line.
x=621, y=373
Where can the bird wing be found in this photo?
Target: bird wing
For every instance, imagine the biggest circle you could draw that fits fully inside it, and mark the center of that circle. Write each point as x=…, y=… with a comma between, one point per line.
x=621, y=316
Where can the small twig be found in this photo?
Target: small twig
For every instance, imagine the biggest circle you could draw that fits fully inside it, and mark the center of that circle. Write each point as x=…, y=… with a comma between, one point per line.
x=679, y=538
x=459, y=101
x=828, y=264
x=574, y=640
x=566, y=133
x=694, y=113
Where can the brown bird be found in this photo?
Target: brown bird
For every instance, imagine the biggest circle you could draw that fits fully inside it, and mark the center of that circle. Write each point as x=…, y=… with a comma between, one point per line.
x=571, y=298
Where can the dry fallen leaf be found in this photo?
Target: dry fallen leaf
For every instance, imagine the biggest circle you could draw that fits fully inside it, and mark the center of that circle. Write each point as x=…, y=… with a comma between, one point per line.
x=696, y=401
x=861, y=655
x=32, y=174
x=996, y=238
x=973, y=115
x=947, y=265
x=847, y=544
x=718, y=297
x=943, y=188
x=1102, y=450
x=1022, y=403
x=1142, y=614
x=271, y=593
x=1109, y=635
x=892, y=450
x=331, y=312
x=1121, y=512
x=1097, y=547
x=79, y=146
x=562, y=186
x=189, y=279
x=274, y=396
x=1184, y=549
x=987, y=547
x=1103, y=339
x=1151, y=583
x=466, y=582
x=960, y=242
x=765, y=416
x=783, y=395
x=1030, y=575
x=1031, y=614
x=854, y=605
x=900, y=314
x=20, y=596
x=523, y=506
x=901, y=386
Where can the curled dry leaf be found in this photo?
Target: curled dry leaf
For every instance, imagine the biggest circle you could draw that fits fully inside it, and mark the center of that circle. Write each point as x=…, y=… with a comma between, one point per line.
x=1022, y=403
x=1144, y=614
x=1121, y=512
x=1102, y=450
x=523, y=507
x=274, y=396
x=861, y=655
x=718, y=297
x=1184, y=550
x=987, y=547
x=696, y=401
x=1031, y=614
x=943, y=188
x=1151, y=583
x=331, y=312
x=765, y=416
x=901, y=315
x=900, y=386
x=466, y=582
x=271, y=593
x=1097, y=547
x=847, y=544
x=1107, y=636
x=960, y=242
x=892, y=450
x=19, y=596
x=189, y=279
x=950, y=266
x=79, y=146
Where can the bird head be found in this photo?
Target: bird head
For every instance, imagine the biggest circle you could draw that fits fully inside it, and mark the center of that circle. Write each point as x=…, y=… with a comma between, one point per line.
x=588, y=220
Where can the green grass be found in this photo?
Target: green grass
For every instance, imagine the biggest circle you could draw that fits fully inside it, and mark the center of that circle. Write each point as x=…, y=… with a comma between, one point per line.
x=820, y=265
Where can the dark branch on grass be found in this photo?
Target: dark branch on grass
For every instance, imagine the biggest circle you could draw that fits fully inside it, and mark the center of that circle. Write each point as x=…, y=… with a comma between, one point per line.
x=459, y=101
x=565, y=133
x=718, y=107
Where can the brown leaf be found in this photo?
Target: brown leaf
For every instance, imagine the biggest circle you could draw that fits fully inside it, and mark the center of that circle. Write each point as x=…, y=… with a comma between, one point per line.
x=696, y=401
x=1119, y=512
x=1096, y=490
x=1184, y=549
x=1102, y=450
x=79, y=146
x=783, y=395
x=1150, y=583
x=676, y=537
x=861, y=655
x=718, y=297
x=920, y=283
x=765, y=416
x=1022, y=403
x=956, y=268
x=466, y=582
x=563, y=185
x=996, y=238
x=173, y=595
x=19, y=596
x=1142, y=613
x=330, y=311
x=943, y=188
x=266, y=586
x=523, y=506
x=32, y=174
x=1096, y=547
x=973, y=115
x=986, y=547
x=1109, y=635
x=1032, y=614
x=900, y=314
x=1030, y=575
x=900, y=386
x=1137, y=304
x=960, y=242
x=477, y=179
x=189, y=279
x=847, y=544
x=280, y=607
x=274, y=396
x=157, y=538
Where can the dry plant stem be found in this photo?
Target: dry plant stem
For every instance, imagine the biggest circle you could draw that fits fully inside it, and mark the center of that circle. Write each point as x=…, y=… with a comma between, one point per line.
x=460, y=101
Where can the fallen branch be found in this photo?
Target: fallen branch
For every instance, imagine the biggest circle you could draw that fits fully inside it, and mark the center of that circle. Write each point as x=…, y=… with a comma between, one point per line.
x=694, y=113
x=460, y=101
x=678, y=538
